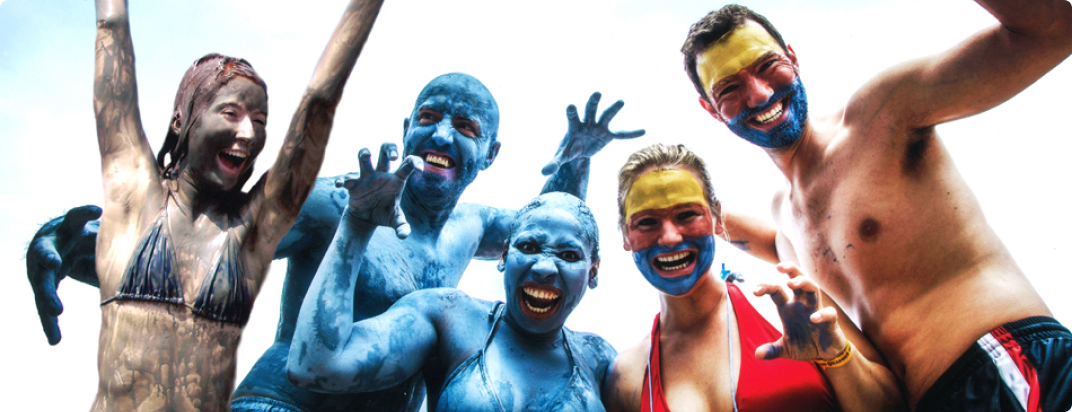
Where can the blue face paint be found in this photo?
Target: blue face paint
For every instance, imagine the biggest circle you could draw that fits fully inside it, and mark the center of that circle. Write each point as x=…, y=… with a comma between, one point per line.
x=548, y=263
x=786, y=133
x=679, y=285
x=453, y=127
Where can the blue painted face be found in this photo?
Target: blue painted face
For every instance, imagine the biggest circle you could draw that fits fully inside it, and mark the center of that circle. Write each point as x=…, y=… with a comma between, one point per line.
x=453, y=127
x=786, y=133
x=547, y=266
x=650, y=263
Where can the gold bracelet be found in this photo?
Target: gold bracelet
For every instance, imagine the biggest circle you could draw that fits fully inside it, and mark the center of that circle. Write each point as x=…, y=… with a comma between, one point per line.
x=838, y=360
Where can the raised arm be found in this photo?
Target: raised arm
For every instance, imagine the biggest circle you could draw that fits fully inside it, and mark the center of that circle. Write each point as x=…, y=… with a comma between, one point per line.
x=120, y=137
x=291, y=177
x=584, y=138
x=569, y=169
x=812, y=331
x=329, y=351
x=985, y=70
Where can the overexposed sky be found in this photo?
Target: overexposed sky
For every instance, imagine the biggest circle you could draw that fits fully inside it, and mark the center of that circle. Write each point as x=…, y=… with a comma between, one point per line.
x=536, y=58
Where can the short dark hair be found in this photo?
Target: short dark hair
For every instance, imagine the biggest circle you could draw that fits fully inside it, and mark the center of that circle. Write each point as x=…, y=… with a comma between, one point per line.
x=711, y=28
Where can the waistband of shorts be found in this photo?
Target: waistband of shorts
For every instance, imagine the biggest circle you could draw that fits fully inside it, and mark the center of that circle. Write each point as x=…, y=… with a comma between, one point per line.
x=262, y=404
x=1023, y=330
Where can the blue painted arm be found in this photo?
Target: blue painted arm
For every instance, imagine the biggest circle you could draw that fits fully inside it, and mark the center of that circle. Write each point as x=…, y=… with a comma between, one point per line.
x=569, y=169
x=329, y=351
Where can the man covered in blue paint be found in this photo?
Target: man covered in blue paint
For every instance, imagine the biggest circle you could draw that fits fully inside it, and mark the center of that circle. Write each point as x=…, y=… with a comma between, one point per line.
x=453, y=128
x=876, y=210
x=474, y=355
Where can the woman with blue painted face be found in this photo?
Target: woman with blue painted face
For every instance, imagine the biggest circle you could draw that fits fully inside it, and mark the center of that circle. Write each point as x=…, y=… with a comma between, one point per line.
x=182, y=249
x=709, y=350
x=474, y=355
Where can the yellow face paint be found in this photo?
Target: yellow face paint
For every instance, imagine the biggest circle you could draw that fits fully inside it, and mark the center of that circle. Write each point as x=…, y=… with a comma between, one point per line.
x=661, y=189
x=734, y=51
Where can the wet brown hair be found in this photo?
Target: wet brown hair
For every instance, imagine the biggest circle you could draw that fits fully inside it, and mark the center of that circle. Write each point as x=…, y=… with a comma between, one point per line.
x=199, y=86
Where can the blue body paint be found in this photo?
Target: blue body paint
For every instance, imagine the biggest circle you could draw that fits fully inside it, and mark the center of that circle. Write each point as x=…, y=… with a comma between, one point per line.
x=677, y=286
x=445, y=236
x=475, y=355
x=786, y=133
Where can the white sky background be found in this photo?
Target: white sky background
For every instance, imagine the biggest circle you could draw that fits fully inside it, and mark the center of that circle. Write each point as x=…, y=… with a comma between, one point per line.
x=536, y=58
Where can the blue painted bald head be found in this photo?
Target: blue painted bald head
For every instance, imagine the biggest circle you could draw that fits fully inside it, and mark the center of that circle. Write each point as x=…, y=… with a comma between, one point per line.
x=454, y=127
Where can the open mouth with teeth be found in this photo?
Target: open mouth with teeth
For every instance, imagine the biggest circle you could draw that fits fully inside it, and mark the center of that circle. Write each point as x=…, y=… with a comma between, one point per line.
x=675, y=264
x=439, y=160
x=231, y=161
x=771, y=115
x=539, y=301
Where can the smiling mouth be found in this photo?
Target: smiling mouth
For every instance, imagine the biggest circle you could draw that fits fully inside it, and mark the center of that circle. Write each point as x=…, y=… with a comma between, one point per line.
x=770, y=115
x=440, y=161
x=674, y=261
x=232, y=160
x=538, y=301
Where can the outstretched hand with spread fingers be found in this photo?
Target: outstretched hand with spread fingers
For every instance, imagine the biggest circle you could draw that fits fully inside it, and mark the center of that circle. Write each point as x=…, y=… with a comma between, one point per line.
x=61, y=248
x=587, y=137
x=810, y=330
x=375, y=193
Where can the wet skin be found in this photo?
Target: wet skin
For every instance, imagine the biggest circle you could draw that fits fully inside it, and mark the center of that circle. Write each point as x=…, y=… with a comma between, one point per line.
x=168, y=355
x=444, y=236
x=229, y=136
x=436, y=331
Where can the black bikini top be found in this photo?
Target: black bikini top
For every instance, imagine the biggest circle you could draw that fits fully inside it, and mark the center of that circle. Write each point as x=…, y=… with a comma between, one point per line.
x=224, y=295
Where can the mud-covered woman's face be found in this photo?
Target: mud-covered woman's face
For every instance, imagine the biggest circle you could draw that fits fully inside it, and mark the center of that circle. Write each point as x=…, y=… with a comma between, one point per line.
x=228, y=136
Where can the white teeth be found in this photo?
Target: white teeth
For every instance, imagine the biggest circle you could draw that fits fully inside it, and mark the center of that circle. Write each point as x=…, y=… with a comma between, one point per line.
x=671, y=268
x=771, y=114
x=235, y=153
x=437, y=160
x=536, y=309
x=540, y=294
x=672, y=258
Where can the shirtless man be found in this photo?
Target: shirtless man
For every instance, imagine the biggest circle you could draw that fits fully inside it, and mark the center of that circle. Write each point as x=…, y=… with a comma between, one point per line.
x=877, y=212
x=453, y=127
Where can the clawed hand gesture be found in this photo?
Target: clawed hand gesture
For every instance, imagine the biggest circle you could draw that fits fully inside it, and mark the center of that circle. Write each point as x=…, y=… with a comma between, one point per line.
x=61, y=248
x=587, y=137
x=375, y=193
x=810, y=330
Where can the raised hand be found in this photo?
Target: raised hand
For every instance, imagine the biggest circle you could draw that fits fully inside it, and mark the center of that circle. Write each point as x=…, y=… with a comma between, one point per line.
x=374, y=193
x=587, y=137
x=63, y=247
x=810, y=331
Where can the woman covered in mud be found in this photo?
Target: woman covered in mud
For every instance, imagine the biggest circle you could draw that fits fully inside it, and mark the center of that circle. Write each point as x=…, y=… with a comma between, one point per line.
x=182, y=251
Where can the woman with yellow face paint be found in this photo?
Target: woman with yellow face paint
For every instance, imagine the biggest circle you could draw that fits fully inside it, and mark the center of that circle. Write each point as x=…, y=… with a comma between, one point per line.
x=705, y=347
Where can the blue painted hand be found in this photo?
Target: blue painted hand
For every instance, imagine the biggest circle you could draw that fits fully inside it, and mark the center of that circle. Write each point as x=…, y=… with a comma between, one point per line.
x=374, y=193
x=810, y=331
x=63, y=247
x=587, y=137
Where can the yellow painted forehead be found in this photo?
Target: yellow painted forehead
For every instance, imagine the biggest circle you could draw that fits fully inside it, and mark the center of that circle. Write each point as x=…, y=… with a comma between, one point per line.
x=734, y=51
x=661, y=189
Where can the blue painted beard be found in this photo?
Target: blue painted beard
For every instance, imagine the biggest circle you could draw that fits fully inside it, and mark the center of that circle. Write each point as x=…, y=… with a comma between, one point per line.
x=677, y=286
x=784, y=134
x=436, y=189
